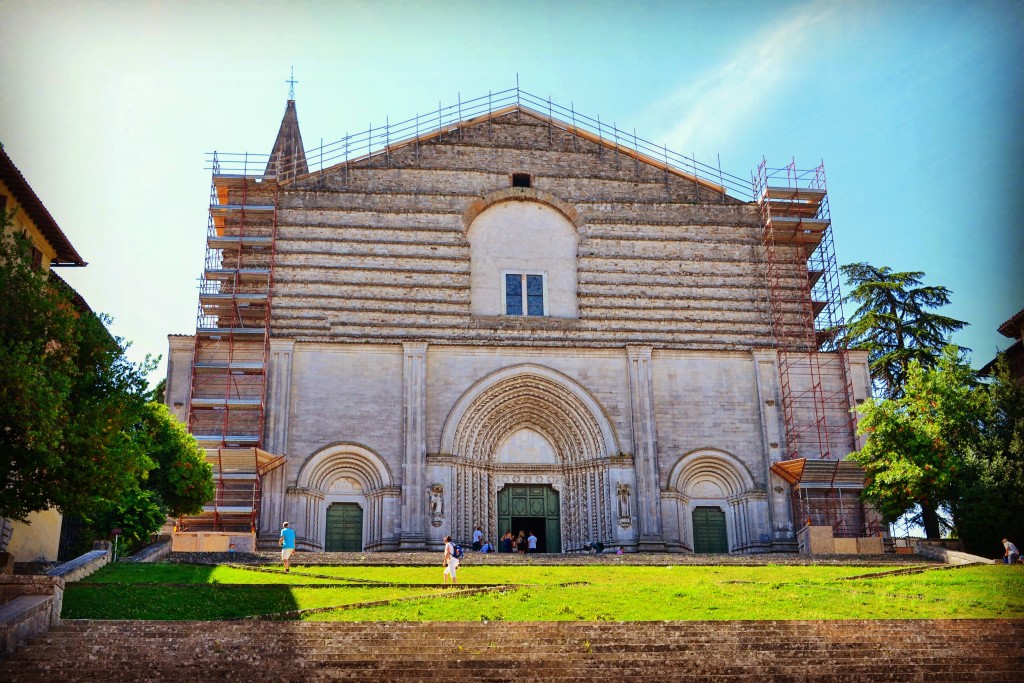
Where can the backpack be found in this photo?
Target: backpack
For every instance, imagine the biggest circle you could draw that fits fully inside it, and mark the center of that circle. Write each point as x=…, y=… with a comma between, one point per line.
x=456, y=550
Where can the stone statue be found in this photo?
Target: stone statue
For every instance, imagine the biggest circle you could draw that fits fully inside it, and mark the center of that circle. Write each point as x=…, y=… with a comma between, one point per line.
x=436, y=504
x=622, y=490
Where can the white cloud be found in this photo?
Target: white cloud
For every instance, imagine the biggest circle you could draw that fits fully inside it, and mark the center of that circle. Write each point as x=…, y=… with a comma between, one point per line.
x=716, y=103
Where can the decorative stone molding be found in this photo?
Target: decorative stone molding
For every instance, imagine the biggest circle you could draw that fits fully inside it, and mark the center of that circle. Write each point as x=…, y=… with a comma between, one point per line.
x=528, y=396
x=520, y=194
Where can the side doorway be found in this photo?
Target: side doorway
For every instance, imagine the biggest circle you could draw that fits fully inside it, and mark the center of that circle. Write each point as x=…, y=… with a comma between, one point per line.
x=532, y=508
x=709, y=531
x=344, y=528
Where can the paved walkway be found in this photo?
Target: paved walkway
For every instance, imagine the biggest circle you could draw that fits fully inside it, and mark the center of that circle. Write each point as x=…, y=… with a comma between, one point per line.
x=661, y=559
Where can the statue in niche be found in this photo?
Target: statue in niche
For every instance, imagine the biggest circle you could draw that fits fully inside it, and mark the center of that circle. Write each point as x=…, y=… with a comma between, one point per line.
x=622, y=491
x=436, y=504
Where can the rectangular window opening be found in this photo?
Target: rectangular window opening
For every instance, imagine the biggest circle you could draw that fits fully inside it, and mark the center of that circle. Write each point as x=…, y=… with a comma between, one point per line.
x=521, y=180
x=524, y=294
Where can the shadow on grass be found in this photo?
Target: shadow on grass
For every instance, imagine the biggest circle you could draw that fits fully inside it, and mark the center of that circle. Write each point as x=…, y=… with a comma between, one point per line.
x=173, y=592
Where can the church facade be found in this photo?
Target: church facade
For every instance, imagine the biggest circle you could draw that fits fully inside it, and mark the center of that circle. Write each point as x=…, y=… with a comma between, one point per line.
x=512, y=325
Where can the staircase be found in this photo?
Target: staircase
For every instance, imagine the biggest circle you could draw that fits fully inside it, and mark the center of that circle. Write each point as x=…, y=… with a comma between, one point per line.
x=897, y=650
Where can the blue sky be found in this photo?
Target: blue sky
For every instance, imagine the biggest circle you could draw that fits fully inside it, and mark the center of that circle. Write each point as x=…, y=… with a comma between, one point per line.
x=109, y=108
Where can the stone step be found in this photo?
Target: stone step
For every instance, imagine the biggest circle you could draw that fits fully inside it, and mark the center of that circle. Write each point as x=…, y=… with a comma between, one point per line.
x=506, y=672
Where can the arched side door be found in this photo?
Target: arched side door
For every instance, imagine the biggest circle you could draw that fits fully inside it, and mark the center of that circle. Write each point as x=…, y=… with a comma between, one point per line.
x=344, y=528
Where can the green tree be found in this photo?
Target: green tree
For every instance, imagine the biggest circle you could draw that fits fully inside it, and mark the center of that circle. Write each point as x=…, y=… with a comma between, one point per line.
x=182, y=478
x=918, y=442
x=69, y=399
x=136, y=512
x=990, y=504
x=894, y=324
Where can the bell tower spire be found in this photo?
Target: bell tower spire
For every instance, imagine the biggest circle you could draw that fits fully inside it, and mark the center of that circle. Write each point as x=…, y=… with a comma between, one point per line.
x=288, y=158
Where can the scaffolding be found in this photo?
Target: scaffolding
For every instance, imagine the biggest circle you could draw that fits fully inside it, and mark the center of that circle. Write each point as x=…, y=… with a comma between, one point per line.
x=232, y=344
x=816, y=388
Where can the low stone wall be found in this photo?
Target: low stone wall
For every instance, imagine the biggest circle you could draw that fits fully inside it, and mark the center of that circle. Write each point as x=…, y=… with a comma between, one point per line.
x=942, y=554
x=152, y=553
x=84, y=565
x=29, y=606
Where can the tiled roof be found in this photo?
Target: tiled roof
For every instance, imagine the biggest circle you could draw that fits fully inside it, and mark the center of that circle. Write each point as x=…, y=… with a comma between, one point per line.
x=33, y=206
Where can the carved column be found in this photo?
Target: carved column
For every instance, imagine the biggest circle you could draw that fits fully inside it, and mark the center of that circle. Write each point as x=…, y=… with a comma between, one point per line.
x=414, y=377
x=645, y=447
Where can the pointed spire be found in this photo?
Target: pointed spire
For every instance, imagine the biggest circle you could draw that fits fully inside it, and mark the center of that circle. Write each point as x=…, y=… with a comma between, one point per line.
x=288, y=159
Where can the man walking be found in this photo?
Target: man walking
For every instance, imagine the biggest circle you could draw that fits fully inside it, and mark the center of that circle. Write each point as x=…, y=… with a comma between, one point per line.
x=531, y=543
x=287, y=542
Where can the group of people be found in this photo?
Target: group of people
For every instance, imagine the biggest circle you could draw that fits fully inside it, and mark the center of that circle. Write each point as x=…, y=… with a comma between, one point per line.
x=519, y=544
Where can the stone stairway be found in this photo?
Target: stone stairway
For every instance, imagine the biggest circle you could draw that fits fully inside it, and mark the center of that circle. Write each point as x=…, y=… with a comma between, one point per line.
x=903, y=650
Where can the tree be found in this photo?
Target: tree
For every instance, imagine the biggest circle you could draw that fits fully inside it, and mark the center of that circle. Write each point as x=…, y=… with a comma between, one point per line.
x=990, y=504
x=182, y=478
x=918, y=442
x=69, y=399
x=893, y=322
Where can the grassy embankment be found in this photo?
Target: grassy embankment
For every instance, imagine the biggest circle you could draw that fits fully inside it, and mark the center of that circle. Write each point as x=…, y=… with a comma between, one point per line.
x=592, y=593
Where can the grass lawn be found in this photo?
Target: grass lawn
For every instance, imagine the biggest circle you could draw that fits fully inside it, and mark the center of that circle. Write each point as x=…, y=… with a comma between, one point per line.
x=546, y=593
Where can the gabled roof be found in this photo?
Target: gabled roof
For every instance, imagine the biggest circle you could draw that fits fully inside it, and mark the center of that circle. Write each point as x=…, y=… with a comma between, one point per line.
x=37, y=213
x=544, y=118
x=288, y=158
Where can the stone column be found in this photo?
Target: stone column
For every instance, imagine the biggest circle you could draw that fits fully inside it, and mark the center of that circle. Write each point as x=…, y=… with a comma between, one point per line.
x=766, y=376
x=414, y=377
x=279, y=391
x=645, y=447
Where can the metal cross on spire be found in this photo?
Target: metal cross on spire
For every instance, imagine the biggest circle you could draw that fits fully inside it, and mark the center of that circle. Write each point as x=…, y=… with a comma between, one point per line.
x=291, y=85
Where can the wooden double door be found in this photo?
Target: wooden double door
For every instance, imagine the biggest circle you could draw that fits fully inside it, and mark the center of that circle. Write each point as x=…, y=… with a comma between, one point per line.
x=344, y=528
x=531, y=508
x=709, y=531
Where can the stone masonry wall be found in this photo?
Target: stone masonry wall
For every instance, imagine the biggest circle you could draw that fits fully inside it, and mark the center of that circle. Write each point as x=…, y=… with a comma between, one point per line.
x=376, y=251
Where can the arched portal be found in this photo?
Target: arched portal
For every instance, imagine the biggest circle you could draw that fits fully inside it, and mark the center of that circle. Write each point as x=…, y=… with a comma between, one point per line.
x=718, y=506
x=339, y=487
x=531, y=426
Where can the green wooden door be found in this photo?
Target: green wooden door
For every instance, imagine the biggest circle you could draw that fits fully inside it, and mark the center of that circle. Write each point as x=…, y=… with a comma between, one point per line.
x=532, y=508
x=344, y=528
x=709, y=535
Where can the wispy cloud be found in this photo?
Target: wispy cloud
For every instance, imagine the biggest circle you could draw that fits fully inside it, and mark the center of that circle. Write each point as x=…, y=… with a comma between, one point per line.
x=714, y=104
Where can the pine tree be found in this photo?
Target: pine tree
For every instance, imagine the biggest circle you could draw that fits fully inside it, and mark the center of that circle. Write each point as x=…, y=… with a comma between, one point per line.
x=894, y=323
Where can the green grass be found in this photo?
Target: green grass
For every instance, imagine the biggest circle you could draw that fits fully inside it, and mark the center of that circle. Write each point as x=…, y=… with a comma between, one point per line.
x=547, y=593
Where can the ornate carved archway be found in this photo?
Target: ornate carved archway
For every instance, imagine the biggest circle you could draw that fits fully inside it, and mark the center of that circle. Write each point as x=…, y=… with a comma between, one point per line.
x=539, y=399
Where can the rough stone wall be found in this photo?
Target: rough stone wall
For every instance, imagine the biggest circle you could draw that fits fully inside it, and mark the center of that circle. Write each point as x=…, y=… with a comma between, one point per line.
x=376, y=251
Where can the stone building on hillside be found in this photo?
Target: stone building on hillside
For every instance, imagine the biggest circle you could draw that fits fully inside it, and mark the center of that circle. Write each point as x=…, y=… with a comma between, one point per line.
x=511, y=316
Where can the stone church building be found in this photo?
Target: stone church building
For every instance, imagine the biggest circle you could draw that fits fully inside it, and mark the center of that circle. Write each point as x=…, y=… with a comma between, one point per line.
x=506, y=320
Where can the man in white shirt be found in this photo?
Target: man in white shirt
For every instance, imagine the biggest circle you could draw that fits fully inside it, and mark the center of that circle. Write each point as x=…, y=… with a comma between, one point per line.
x=478, y=535
x=531, y=543
x=1011, y=554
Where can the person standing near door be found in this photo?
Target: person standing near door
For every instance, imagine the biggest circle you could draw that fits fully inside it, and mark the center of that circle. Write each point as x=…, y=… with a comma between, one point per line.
x=531, y=543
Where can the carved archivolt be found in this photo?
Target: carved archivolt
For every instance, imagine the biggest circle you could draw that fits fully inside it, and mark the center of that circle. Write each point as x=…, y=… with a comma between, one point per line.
x=528, y=397
x=717, y=467
x=348, y=461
